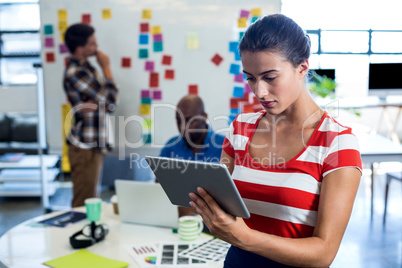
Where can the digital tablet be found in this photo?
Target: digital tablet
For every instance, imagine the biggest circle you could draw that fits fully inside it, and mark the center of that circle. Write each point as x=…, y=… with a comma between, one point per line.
x=181, y=177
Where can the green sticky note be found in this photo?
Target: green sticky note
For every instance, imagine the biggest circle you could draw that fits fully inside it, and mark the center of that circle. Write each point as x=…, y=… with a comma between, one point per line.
x=241, y=36
x=147, y=138
x=48, y=29
x=158, y=46
x=85, y=259
x=146, y=100
x=143, y=53
x=147, y=124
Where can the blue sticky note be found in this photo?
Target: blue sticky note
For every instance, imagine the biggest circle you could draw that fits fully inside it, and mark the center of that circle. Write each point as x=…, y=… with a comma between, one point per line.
x=237, y=55
x=158, y=46
x=146, y=101
x=253, y=19
x=143, y=53
x=241, y=36
x=234, y=68
x=144, y=40
x=235, y=111
x=147, y=138
x=238, y=92
x=231, y=118
x=233, y=46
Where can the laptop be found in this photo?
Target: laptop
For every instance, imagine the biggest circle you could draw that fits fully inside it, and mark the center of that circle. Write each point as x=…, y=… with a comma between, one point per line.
x=145, y=203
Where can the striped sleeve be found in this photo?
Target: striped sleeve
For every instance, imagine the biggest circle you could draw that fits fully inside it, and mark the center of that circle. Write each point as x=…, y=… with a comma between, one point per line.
x=227, y=143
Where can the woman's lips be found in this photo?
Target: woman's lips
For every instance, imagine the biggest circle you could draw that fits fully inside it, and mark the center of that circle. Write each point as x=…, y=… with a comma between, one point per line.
x=267, y=104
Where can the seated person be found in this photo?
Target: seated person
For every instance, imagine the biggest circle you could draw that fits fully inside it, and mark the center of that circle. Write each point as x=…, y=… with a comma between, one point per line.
x=196, y=141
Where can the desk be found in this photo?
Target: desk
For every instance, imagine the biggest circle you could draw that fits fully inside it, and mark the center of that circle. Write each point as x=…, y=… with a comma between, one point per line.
x=24, y=246
x=375, y=148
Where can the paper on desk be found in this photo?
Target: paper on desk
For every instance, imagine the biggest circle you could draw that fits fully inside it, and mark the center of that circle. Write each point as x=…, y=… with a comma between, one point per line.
x=85, y=259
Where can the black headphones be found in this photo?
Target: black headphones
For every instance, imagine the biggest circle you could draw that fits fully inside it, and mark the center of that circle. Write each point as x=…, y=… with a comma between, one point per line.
x=93, y=233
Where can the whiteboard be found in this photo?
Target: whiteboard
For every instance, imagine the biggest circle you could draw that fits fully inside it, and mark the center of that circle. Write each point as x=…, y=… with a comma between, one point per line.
x=215, y=24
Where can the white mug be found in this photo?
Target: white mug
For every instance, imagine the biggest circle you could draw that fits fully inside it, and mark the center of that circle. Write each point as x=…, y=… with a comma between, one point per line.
x=190, y=227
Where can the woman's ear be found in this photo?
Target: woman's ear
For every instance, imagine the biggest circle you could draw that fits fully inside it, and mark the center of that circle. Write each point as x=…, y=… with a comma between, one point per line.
x=303, y=68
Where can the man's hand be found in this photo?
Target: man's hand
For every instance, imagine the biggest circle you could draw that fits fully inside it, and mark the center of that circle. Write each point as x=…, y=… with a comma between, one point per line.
x=104, y=62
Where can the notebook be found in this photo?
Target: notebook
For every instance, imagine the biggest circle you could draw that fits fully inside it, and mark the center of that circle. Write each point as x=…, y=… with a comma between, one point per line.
x=145, y=203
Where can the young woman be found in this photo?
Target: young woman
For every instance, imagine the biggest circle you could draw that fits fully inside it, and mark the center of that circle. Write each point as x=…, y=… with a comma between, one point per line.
x=296, y=168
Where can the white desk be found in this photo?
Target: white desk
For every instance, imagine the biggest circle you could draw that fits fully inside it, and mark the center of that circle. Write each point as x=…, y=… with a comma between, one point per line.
x=24, y=246
x=375, y=148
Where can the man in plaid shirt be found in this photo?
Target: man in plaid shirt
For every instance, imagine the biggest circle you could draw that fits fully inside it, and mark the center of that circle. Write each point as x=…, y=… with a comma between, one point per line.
x=92, y=98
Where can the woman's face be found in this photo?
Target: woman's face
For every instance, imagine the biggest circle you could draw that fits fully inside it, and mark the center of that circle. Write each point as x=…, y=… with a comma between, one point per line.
x=273, y=80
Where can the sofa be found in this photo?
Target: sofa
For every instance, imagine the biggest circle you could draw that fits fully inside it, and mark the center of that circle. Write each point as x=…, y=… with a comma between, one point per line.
x=18, y=133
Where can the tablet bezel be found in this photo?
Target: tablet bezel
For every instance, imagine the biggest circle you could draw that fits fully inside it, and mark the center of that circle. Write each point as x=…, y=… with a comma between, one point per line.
x=179, y=177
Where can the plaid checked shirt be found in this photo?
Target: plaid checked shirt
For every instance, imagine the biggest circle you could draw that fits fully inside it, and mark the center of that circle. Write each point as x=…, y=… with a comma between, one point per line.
x=83, y=83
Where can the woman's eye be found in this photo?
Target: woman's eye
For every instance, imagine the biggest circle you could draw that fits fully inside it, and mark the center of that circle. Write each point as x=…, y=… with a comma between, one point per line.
x=270, y=78
x=250, y=79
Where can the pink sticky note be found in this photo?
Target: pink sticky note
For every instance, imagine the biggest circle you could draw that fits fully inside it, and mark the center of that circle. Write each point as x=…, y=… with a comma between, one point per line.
x=157, y=95
x=63, y=48
x=247, y=89
x=149, y=66
x=244, y=13
x=157, y=37
x=145, y=93
x=49, y=42
x=239, y=78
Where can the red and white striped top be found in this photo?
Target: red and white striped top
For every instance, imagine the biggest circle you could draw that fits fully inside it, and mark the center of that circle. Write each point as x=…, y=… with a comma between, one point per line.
x=283, y=198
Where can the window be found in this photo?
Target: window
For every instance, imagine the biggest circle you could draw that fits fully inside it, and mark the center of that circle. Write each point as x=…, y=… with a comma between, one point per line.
x=19, y=41
x=348, y=35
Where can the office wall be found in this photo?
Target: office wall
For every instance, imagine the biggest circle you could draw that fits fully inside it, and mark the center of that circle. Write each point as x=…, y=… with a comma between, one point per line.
x=213, y=23
x=18, y=99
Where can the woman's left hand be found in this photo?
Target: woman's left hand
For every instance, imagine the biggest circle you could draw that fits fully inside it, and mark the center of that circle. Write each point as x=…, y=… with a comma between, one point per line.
x=220, y=223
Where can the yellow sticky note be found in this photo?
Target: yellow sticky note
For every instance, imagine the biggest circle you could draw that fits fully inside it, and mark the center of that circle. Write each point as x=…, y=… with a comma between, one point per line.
x=63, y=25
x=156, y=29
x=145, y=109
x=106, y=13
x=147, y=124
x=255, y=12
x=62, y=36
x=62, y=14
x=193, y=43
x=146, y=14
x=242, y=22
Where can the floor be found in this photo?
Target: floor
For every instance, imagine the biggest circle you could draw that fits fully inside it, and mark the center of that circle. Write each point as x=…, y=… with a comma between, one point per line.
x=367, y=242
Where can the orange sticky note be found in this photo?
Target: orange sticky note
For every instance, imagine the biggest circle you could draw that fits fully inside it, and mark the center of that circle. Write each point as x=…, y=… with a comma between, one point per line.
x=193, y=89
x=169, y=74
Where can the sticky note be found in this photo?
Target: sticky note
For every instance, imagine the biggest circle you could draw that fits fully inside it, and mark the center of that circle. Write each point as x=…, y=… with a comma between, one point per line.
x=253, y=19
x=146, y=14
x=241, y=34
x=106, y=13
x=146, y=101
x=48, y=29
x=244, y=13
x=193, y=43
x=242, y=22
x=233, y=46
x=255, y=12
x=169, y=74
x=237, y=56
x=143, y=39
x=145, y=109
x=247, y=89
x=234, y=103
x=62, y=36
x=50, y=57
x=238, y=92
x=158, y=46
x=125, y=62
x=86, y=18
x=231, y=118
x=63, y=25
x=147, y=124
x=217, y=59
x=144, y=27
x=193, y=89
x=156, y=29
x=49, y=42
x=154, y=80
x=157, y=37
x=238, y=78
x=235, y=110
x=147, y=138
x=157, y=95
x=145, y=93
x=248, y=108
x=63, y=48
x=149, y=66
x=62, y=14
x=143, y=53
x=166, y=60
x=234, y=68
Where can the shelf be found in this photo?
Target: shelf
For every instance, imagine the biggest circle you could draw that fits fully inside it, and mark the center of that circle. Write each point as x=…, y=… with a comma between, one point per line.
x=28, y=189
x=19, y=175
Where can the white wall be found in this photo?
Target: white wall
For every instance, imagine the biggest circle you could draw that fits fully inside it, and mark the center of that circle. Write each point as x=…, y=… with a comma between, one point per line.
x=18, y=99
